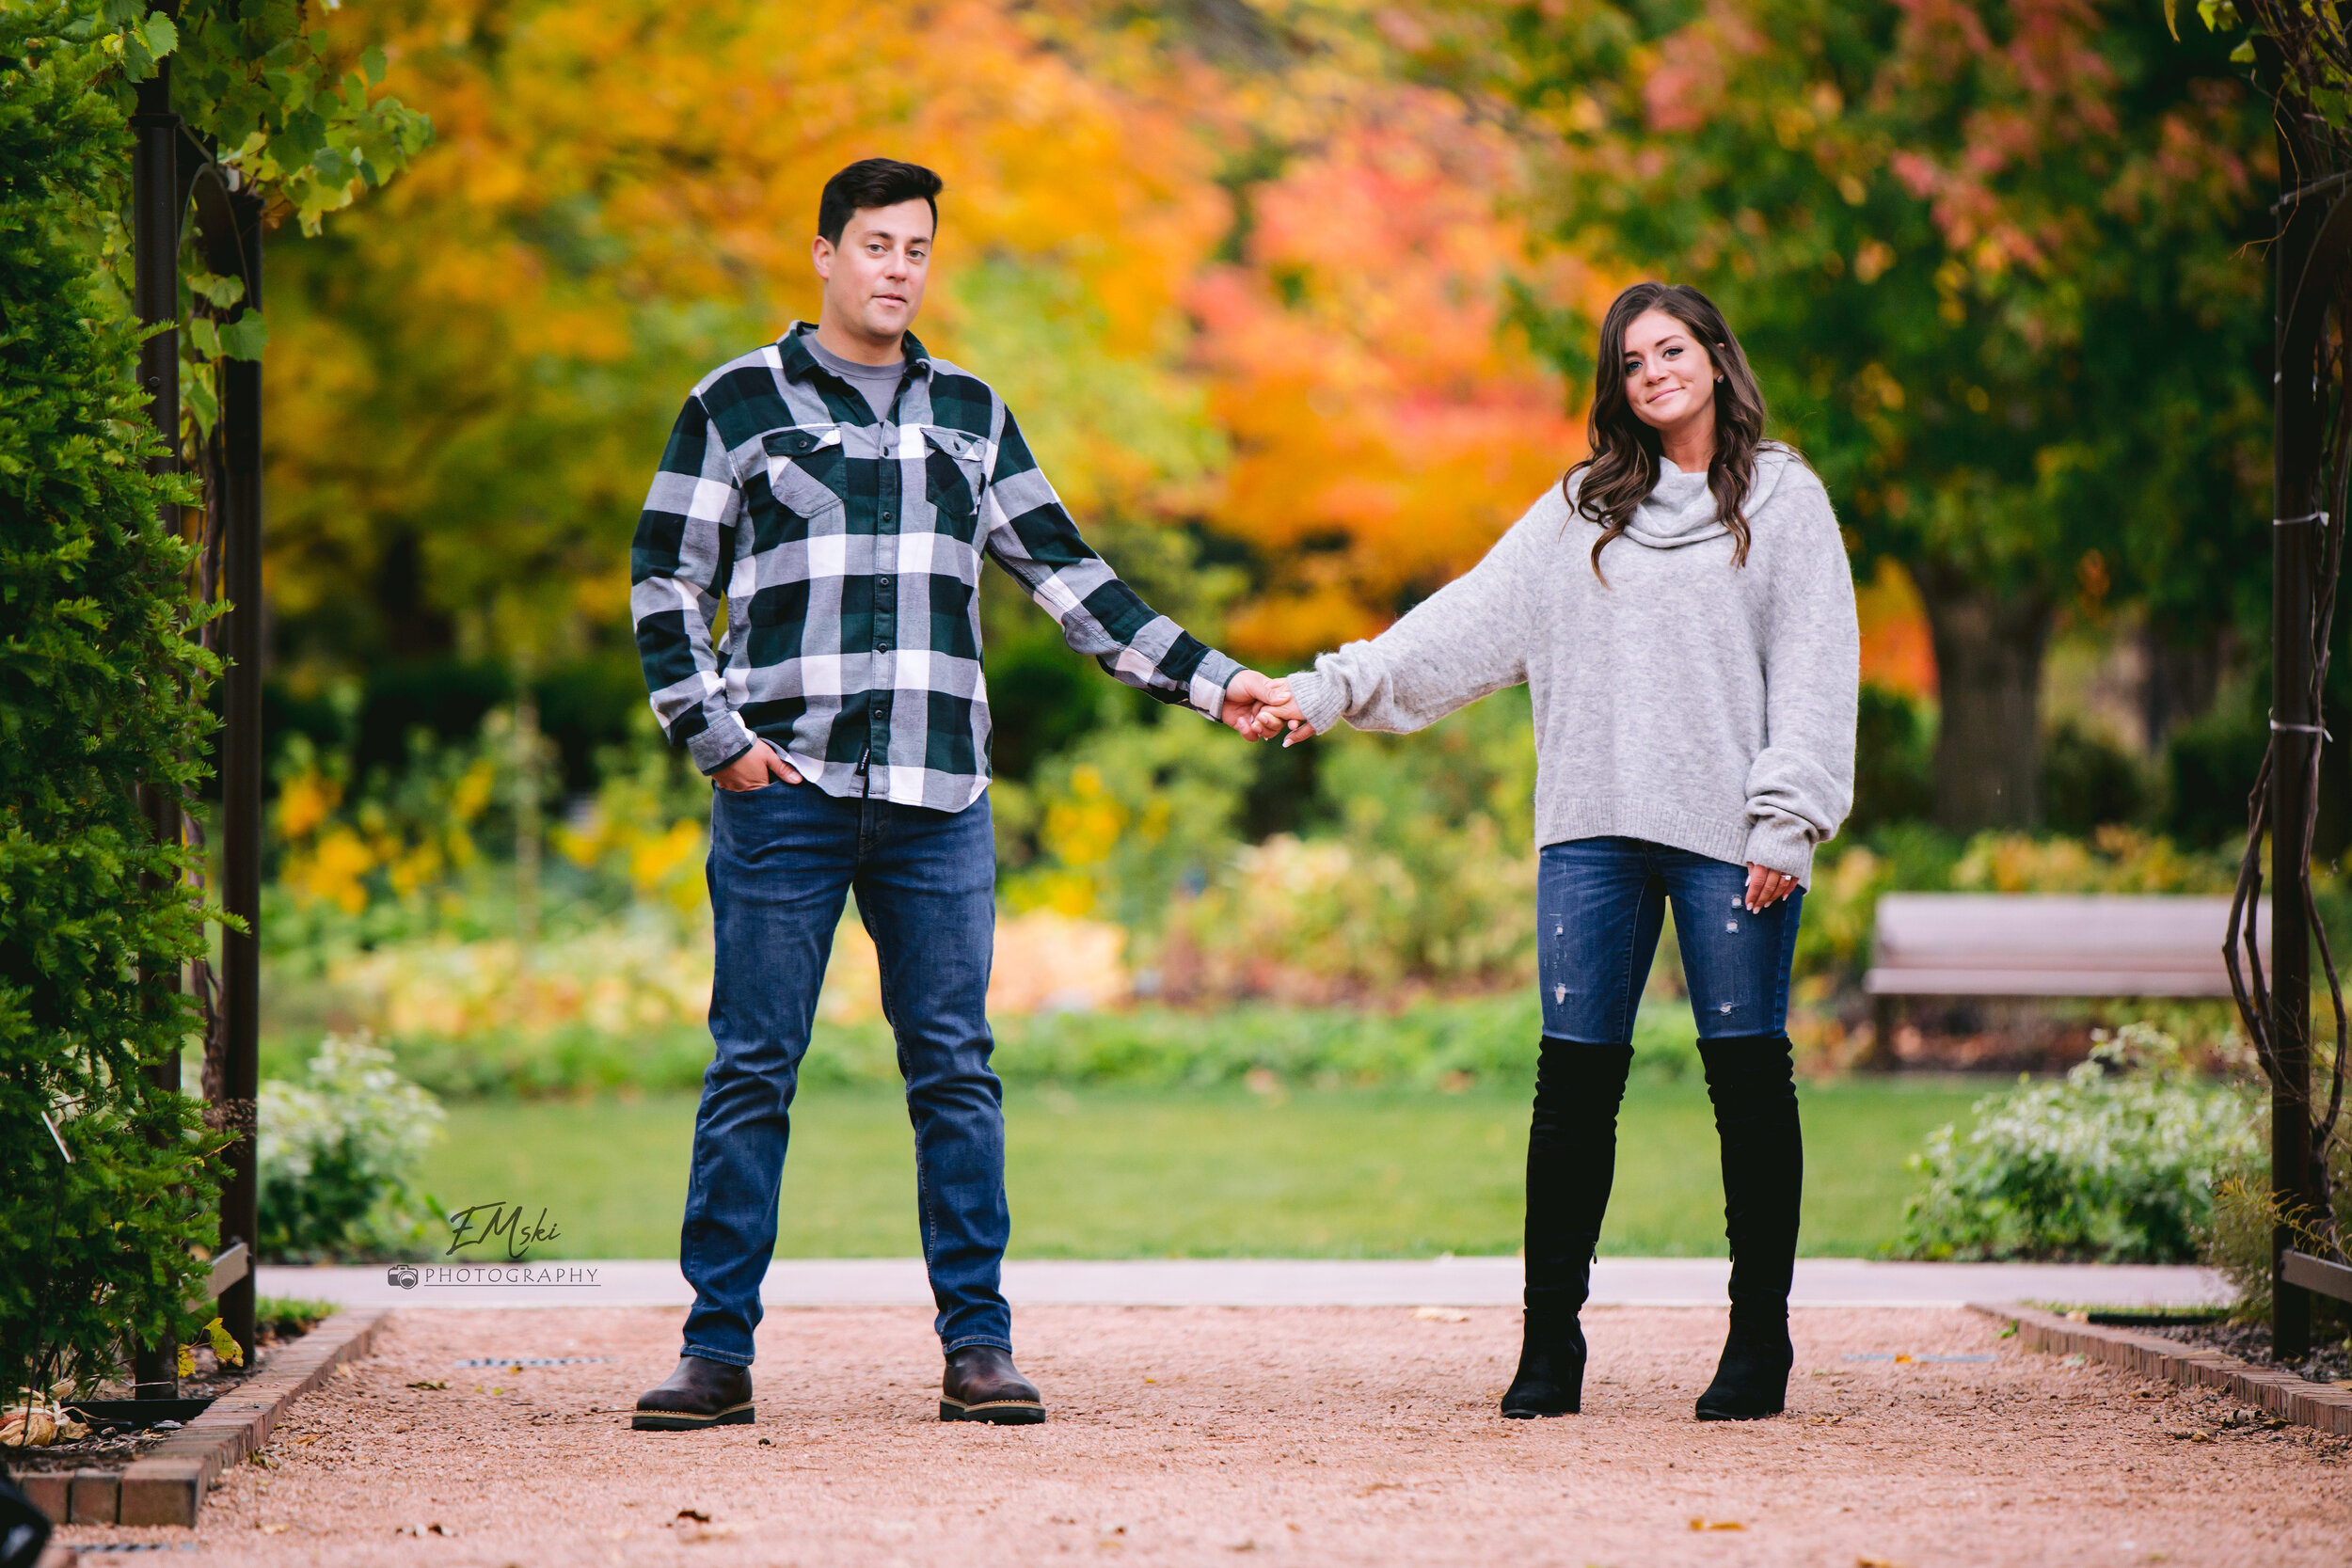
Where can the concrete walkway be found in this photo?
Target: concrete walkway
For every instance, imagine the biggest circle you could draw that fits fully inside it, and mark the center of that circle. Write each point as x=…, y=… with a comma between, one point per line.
x=1250, y=1282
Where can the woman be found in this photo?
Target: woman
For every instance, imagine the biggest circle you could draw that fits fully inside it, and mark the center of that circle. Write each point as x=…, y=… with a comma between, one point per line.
x=1681, y=608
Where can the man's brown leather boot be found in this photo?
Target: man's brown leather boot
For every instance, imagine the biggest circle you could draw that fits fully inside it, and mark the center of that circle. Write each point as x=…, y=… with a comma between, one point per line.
x=699, y=1394
x=983, y=1385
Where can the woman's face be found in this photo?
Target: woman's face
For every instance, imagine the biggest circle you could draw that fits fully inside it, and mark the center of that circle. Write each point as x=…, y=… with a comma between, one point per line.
x=1669, y=376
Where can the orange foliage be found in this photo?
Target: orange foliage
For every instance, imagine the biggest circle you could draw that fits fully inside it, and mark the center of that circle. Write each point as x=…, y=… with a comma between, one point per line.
x=1387, y=428
x=620, y=192
x=1896, y=652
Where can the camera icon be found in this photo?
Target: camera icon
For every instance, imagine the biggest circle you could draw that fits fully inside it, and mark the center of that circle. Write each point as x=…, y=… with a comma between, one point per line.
x=402, y=1275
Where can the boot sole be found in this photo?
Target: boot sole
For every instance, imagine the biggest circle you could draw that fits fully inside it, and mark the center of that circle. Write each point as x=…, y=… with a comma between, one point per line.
x=673, y=1420
x=1742, y=1414
x=1003, y=1412
x=1531, y=1414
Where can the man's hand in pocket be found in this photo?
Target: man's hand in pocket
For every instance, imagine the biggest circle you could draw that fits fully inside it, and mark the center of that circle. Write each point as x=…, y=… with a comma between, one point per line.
x=755, y=769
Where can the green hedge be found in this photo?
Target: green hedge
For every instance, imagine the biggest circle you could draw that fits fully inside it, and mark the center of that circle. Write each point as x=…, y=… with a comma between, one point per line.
x=100, y=690
x=1436, y=1045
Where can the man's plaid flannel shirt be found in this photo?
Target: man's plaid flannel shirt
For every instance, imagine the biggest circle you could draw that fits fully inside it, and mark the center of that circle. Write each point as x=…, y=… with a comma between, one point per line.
x=849, y=551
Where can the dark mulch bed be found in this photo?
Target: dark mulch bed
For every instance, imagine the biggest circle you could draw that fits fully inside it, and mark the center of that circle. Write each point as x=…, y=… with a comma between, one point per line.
x=2329, y=1362
x=112, y=1447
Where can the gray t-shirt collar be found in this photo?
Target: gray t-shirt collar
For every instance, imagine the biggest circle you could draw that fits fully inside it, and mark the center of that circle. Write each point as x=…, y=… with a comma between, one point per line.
x=880, y=383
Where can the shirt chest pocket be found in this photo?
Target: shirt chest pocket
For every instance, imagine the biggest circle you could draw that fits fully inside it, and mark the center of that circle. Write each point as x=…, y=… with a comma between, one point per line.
x=954, y=464
x=807, y=470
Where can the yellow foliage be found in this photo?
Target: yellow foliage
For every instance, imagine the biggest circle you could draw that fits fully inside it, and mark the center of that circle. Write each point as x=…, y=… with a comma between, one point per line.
x=305, y=801
x=1082, y=828
x=2118, y=860
x=331, y=870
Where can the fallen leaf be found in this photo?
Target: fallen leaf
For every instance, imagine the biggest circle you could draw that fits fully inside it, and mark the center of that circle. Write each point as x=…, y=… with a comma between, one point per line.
x=1874, y=1562
x=276, y=1529
x=442, y=1384
x=1439, y=1315
x=695, y=1513
x=1717, y=1523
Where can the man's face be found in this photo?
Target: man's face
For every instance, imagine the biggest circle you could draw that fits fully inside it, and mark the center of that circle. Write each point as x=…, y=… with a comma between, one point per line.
x=874, y=277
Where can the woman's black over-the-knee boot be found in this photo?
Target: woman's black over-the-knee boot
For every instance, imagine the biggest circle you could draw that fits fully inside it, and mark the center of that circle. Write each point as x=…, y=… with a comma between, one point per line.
x=1752, y=1079
x=1571, y=1159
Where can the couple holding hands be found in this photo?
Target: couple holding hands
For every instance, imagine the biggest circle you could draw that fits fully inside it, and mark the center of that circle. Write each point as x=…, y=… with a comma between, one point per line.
x=1680, y=606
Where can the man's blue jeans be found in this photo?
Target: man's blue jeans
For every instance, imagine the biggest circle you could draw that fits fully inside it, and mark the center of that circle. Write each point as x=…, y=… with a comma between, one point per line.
x=1600, y=903
x=783, y=858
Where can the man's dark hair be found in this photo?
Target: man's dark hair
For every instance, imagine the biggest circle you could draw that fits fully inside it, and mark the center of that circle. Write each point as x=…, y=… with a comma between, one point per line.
x=873, y=183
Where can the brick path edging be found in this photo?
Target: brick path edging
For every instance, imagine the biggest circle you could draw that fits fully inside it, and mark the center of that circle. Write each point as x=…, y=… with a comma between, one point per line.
x=168, y=1485
x=2320, y=1406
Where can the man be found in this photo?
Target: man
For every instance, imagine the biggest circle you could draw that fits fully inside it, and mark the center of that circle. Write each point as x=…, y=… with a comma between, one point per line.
x=839, y=486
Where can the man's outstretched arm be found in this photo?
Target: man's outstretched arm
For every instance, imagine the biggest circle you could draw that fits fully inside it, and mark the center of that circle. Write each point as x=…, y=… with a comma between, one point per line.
x=1031, y=534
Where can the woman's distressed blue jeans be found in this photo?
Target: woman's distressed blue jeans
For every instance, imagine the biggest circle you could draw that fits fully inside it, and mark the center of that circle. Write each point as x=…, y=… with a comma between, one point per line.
x=1600, y=905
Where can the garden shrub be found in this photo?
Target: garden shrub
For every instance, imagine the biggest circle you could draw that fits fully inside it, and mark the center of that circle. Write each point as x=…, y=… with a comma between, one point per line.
x=2089, y=782
x=339, y=1157
x=2244, y=1216
x=1425, y=878
x=1894, y=760
x=2117, y=1161
x=102, y=690
x=1433, y=1044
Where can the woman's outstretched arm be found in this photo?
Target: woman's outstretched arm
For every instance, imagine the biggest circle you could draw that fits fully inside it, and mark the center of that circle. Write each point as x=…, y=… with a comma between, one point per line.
x=1468, y=639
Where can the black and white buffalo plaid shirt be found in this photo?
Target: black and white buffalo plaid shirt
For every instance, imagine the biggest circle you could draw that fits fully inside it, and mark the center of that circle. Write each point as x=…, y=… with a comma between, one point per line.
x=849, y=551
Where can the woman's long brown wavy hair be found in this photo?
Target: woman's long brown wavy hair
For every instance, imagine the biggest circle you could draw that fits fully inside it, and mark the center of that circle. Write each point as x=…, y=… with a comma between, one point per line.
x=1624, y=466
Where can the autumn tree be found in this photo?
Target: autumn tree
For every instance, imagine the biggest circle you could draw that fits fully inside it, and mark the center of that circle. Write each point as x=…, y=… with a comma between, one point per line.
x=1989, y=261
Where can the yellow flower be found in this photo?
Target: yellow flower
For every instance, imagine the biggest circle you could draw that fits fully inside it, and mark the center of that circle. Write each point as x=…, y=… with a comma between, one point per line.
x=304, y=802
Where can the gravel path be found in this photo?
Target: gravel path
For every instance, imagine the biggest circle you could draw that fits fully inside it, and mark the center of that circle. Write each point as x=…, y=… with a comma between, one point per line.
x=1322, y=1435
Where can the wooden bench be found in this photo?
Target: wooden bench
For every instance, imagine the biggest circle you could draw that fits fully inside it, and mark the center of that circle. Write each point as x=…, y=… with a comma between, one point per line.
x=2047, y=945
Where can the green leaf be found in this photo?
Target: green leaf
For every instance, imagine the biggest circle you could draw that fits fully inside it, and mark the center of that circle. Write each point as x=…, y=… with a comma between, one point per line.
x=245, y=336
x=161, y=36
x=205, y=337
x=2243, y=53
x=222, y=291
x=2171, y=20
x=373, y=62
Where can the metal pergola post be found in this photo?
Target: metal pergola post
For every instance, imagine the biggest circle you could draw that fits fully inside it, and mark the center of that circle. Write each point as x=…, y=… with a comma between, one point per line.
x=172, y=173
x=241, y=775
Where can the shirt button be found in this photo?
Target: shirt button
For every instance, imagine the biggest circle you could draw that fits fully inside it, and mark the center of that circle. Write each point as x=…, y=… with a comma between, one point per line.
x=882, y=647
x=882, y=582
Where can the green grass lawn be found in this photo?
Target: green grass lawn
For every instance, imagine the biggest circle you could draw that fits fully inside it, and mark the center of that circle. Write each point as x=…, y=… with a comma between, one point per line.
x=1151, y=1173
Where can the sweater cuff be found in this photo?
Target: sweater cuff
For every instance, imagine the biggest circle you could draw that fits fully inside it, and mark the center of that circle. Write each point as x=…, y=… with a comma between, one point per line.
x=1318, y=698
x=1782, y=843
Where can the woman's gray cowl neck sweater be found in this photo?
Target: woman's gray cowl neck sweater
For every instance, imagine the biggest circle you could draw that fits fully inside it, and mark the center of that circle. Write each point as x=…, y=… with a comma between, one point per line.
x=1684, y=700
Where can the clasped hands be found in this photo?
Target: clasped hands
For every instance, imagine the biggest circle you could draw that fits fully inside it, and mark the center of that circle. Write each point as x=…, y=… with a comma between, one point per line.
x=1258, y=709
